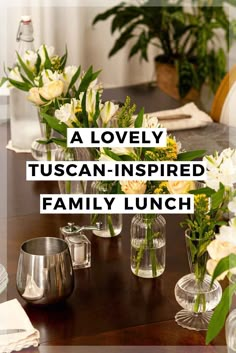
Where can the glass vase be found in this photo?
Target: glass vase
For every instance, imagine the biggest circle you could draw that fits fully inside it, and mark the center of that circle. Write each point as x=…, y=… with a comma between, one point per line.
x=111, y=223
x=230, y=332
x=194, y=292
x=72, y=154
x=41, y=149
x=148, y=245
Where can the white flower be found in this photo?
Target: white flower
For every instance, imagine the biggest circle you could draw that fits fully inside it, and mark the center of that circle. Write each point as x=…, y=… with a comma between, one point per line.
x=180, y=186
x=15, y=75
x=67, y=75
x=34, y=96
x=107, y=112
x=123, y=150
x=133, y=186
x=232, y=206
x=30, y=58
x=51, y=90
x=66, y=113
x=221, y=168
x=90, y=102
x=49, y=76
x=150, y=122
x=228, y=233
x=41, y=52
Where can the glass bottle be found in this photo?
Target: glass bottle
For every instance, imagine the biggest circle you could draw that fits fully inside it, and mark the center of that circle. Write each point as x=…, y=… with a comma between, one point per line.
x=111, y=223
x=23, y=115
x=148, y=245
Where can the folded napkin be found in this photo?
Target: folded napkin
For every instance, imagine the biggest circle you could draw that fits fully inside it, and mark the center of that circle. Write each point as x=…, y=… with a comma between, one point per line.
x=3, y=278
x=13, y=316
x=15, y=149
x=198, y=118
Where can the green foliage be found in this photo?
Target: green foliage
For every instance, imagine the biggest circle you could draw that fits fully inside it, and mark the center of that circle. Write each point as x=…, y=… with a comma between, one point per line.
x=187, y=39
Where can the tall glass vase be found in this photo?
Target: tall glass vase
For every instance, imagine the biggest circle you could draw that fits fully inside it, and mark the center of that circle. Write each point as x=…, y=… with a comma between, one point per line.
x=41, y=149
x=148, y=245
x=111, y=223
x=72, y=154
x=194, y=291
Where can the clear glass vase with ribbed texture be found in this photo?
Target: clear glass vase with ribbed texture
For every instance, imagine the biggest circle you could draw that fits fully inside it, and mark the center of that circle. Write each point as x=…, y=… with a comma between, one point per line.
x=111, y=223
x=41, y=148
x=148, y=245
x=72, y=154
x=194, y=292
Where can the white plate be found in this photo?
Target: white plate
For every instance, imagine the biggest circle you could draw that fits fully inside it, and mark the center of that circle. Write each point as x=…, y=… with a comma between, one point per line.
x=3, y=278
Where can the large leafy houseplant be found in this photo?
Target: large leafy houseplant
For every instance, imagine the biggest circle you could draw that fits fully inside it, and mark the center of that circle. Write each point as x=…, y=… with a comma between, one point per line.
x=184, y=36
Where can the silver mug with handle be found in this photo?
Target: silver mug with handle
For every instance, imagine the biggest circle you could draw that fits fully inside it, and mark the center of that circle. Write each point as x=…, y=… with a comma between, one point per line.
x=45, y=273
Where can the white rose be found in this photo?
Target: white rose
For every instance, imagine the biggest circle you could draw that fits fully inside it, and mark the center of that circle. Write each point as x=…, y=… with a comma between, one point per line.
x=34, y=96
x=15, y=75
x=51, y=90
x=180, y=186
x=133, y=186
x=30, y=58
x=107, y=112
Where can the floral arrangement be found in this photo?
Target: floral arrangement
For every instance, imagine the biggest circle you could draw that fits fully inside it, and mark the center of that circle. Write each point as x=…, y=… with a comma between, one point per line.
x=172, y=152
x=221, y=176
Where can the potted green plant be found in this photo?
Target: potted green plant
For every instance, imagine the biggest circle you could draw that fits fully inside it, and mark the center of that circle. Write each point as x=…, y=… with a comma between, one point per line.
x=190, y=52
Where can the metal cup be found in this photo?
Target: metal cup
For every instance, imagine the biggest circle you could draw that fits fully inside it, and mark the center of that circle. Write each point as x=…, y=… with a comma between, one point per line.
x=45, y=273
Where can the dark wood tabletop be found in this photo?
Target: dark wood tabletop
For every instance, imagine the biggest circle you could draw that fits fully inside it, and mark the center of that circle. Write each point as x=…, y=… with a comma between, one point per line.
x=110, y=307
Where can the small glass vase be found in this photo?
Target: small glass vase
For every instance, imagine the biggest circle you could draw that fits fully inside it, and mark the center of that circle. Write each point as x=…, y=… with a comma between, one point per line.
x=111, y=223
x=43, y=151
x=72, y=154
x=230, y=332
x=148, y=245
x=194, y=292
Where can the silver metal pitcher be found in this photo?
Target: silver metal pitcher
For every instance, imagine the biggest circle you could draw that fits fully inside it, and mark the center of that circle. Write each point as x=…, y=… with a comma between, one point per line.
x=45, y=274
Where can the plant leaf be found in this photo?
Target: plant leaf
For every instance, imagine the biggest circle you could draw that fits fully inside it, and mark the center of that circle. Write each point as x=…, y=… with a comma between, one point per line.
x=73, y=79
x=55, y=124
x=223, y=265
x=24, y=86
x=218, y=318
x=25, y=68
x=139, y=120
x=190, y=155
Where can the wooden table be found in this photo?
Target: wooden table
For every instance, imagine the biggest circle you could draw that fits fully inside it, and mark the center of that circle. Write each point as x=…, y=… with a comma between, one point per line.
x=109, y=306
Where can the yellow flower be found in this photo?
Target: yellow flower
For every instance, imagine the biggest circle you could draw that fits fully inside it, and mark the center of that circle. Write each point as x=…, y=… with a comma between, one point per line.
x=162, y=188
x=201, y=203
x=168, y=153
x=180, y=186
x=51, y=90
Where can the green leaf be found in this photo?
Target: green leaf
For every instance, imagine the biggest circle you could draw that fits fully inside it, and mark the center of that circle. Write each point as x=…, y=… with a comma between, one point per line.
x=73, y=79
x=225, y=264
x=87, y=79
x=190, y=155
x=25, y=68
x=139, y=119
x=217, y=197
x=218, y=318
x=55, y=124
x=60, y=142
x=47, y=63
x=63, y=60
x=38, y=64
x=206, y=191
x=97, y=110
x=84, y=111
x=111, y=154
x=23, y=86
x=103, y=16
x=3, y=80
